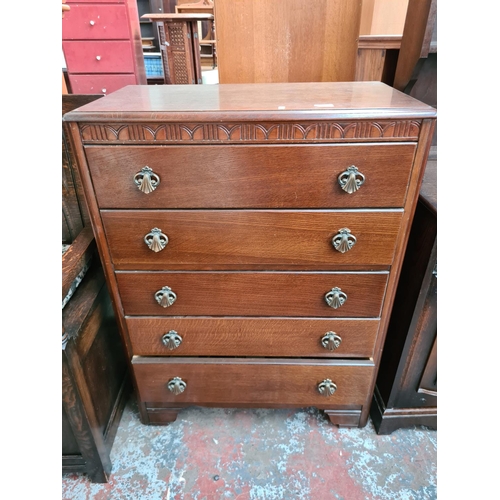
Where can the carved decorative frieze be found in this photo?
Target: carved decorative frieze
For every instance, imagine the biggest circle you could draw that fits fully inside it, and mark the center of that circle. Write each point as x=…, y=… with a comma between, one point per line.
x=193, y=133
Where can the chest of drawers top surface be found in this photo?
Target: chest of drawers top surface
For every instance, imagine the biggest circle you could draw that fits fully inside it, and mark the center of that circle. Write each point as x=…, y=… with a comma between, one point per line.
x=275, y=101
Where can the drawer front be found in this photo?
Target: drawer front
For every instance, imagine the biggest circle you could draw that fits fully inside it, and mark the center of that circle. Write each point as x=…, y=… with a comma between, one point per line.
x=295, y=176
x=90, y=22
x=99, y=57
x=252, y=381
x=99, y=84
x=252, y=337
x=252, y=239
x=252, y=293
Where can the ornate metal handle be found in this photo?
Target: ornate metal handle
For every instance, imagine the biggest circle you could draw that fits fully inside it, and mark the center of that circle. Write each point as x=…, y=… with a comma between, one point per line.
x=335, y=298
x=331, y=341
x=165, y=297
x=351, y=180
x=344, y=241
x=156, y=240
x=172, y=340
x=176, y=385
x=146, y=180
x=327, y=387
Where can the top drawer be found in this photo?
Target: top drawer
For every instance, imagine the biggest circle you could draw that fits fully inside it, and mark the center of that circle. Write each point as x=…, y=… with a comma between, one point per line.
x=278, y=176
x=91, y=22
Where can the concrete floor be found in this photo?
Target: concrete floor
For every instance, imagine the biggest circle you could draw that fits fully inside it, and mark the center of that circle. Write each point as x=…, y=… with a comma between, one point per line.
x=261, y=454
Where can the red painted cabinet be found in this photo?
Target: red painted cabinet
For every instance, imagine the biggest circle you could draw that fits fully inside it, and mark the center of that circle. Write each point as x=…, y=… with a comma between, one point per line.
x=102, y=46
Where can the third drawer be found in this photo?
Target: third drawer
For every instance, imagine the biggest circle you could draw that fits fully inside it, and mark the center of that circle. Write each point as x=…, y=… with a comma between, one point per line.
x=258, y=337
x=288, y=294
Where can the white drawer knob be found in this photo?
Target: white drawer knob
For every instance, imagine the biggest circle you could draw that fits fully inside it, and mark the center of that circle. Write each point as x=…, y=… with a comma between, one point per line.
x=92, y=23
x=98, y=58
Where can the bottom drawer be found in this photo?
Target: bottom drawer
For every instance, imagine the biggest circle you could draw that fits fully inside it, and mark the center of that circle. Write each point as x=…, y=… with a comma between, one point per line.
x=252, y=381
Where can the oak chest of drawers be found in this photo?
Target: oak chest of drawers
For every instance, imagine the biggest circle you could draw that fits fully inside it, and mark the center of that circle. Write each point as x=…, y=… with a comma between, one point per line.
x=252, y=236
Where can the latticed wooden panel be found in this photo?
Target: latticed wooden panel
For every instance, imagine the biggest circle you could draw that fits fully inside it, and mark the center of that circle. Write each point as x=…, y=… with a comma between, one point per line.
x=179, y=54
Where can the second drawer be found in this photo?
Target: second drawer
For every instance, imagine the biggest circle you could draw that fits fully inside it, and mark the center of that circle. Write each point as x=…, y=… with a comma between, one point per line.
x=251, y=239
x=102, y=56
x=278, y=337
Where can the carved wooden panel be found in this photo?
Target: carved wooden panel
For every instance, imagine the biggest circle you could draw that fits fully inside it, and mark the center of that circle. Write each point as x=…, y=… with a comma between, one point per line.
x=250, y=132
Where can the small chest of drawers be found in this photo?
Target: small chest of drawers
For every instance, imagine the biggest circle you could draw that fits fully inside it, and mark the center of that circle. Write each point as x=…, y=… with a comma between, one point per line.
x=252, y=237
x=102, y=47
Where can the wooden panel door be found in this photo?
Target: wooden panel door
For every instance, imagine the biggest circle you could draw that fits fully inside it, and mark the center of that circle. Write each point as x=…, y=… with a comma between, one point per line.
x=287, y=41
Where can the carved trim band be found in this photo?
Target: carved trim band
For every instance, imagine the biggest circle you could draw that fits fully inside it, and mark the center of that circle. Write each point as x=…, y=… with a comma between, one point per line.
x=249, y=132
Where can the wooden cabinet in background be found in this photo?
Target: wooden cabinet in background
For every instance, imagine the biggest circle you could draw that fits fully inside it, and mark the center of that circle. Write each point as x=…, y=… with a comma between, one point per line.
x=102, y=46
x=377, y=58
x=406, y=389
x=179, y=39
x=95, y=379
x=149, y=28
x=261, y=41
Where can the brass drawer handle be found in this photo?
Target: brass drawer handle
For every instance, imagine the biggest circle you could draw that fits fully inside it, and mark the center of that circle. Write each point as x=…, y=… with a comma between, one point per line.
x=172, y=340
x=327, y=387
x=146, y=180
x=351, y=180
x=165, y=297
x=343, y=241
x=176, y=385
x=335, y=298
x=156, y=240
x=331, y=341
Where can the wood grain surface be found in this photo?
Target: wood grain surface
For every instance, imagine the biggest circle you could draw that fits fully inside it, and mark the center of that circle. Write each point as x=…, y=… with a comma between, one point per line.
x=250, y=239
x=252, y=381
x=245, y=103
x=261, y=41
x=252, y=293
x=276, y=337
x=251, y=176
